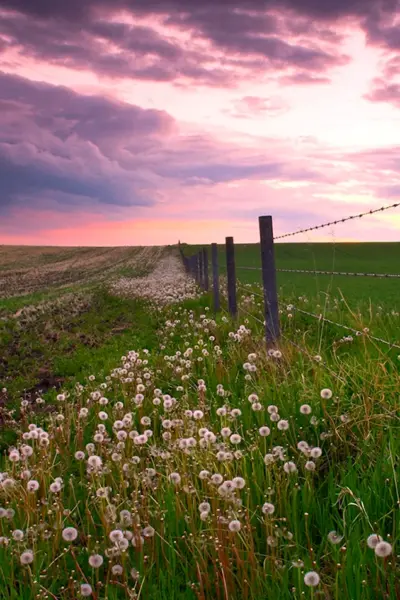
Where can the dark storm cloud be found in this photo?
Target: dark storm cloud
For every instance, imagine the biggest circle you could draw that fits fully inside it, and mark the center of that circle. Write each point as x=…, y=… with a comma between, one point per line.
x=59, y=146
x=73, y=34
x=56, y=140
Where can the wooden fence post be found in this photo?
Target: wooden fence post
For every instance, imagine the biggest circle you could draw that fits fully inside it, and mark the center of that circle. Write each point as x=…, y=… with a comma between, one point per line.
x=271, y=311
x=230, y=270
x=205, y=270
x=193, y=260
x=215, y=275
x=200, y=264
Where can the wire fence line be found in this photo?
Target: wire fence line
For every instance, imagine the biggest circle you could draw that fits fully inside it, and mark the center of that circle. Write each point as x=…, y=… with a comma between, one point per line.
x=337, y=221
x=356, y=331
x=298, y=347
x=317, y=272
x=198, y=264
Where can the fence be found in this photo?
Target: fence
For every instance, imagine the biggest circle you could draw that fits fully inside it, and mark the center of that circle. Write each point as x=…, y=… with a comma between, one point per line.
x=197, y=266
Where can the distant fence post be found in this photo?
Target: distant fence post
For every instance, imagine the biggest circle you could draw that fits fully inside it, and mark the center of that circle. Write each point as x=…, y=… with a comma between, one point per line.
x=200, y=263
x=205, y=270
x=271, y=311
x=230, y=269
x=215, y=275
x=193, y=260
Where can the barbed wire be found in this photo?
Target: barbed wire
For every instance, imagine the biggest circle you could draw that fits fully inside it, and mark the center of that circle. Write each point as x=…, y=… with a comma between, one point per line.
x=356, y=331
x=337, y=221
x=317, y=272
x=382, y=275
x=312, y=358
x=300, y=348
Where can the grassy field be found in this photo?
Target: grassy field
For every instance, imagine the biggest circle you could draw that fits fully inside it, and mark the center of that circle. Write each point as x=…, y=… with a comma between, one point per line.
x=154, y=450
x=349, y=257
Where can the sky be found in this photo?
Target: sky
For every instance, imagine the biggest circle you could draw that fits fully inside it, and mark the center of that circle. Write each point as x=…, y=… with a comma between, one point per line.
x=145, y=122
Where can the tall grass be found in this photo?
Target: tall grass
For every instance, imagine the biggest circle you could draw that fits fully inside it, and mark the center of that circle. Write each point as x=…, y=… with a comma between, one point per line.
x=182, y=469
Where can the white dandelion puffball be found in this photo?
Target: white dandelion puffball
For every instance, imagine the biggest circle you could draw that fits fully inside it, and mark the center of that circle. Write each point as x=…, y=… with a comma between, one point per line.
x=32, y=486
x=334, y=537
x=86, y=589
x=239, y=482
x=234, y=525
x=268, y=508
x=175, y=478
x=311, y=579
x=69, y=534
x=326, y=394
x=26, y=557
x=264, y=431
x=289, y=467
x=117, y=570
x=373, y=540
x=95, y=561
x=383, y=549
x=305, y=409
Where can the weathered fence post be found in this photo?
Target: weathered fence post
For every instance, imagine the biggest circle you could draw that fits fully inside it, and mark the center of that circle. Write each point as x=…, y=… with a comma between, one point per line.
x=200, y=263
x=215, y=275
x=194, y=266
x=230, y=271
x=271, y=310
x=205, y=270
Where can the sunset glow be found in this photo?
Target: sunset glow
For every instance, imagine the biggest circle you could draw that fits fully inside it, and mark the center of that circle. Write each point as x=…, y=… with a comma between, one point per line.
x=142, y=123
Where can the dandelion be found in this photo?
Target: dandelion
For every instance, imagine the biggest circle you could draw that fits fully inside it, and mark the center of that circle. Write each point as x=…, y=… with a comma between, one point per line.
x=55, y=487
x=326, y=394
x=289, y=467
x=311, y=579
x=236, y=412
x=32, y=485
x=14, y=456
x=204, y=474
x=235, y=438
x=148, y=531
x=269, y=459
x=383, y=549
x=216, y=479
x=86, y=589
x=315, y=452
x=334, y=537
x=305, y=409
x=116, y=536
x=204, y=507
x=175, y=478
x=239, y=482
x=79, y=455
x=283, y=425
x=310, y=465
x=117, y=570
x=234, y=525
x=268, y=508
x=69, y=534
x=373, y=540
x=95, y=561
x=18, y=535
x=264, y=431
x=226, y=432
x=26, y=557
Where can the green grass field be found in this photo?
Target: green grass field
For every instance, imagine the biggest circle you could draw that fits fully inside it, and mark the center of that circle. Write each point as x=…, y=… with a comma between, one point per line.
x=154, y=450
x=348, y=257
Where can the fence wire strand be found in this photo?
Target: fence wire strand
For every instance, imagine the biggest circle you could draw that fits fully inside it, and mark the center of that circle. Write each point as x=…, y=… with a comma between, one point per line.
x=337, y=221
x=356, y=331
